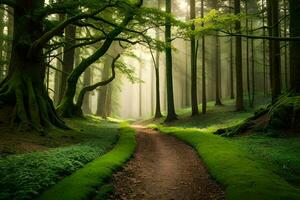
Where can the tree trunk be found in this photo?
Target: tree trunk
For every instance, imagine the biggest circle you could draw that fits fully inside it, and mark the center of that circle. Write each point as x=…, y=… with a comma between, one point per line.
x=274, y=47
x=68, y=57
x=231, y=60
x=194, y=98
x=239, y=65
x=218, y=72
x=23, y=89
x=87, y=80
x=203, y=65
x=157, y=75
x=294, y=46
x=247, y=55
x=171, y=115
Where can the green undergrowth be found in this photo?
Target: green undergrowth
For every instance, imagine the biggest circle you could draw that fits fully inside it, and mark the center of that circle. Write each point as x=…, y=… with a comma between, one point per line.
x=25, y=176
x=249, y=167
x=243, y=174
x=84, y=183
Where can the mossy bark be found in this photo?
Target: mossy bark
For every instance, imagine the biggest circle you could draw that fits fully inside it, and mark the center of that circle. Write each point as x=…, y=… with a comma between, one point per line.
x=23, y=89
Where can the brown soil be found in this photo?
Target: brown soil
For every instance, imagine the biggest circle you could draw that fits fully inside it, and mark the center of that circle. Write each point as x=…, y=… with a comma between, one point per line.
x=164, y=168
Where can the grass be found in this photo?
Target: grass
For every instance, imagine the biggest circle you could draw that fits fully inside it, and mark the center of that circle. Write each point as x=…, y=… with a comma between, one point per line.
x=83, y=183
x=249, y=167
x=24, y=176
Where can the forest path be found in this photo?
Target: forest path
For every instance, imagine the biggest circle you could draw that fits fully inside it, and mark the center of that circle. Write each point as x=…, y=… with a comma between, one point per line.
x=164, y=168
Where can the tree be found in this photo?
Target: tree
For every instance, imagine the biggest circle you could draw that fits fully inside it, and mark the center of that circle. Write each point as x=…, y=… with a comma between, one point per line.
x=194, y=99
x=203, y=65
x=68, y=58
x=67, y=107
x=294, y=46
x=238, y=60
x=171, y=115
x=23, y=90
x=274, y=48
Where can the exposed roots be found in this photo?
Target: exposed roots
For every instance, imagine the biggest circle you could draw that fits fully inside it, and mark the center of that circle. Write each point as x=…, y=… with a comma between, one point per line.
x=32, y=107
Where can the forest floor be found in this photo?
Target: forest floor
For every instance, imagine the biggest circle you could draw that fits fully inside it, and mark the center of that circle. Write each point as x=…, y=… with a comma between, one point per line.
x=164, y=168
x=257, y=165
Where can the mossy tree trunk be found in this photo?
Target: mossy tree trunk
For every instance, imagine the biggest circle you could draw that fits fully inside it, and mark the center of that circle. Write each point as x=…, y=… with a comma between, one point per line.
x=23, y=89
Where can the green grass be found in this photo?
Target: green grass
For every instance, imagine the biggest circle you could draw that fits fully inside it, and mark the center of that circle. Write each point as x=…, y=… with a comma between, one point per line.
x=83, y=183
x=25, y=176
x=250, y=167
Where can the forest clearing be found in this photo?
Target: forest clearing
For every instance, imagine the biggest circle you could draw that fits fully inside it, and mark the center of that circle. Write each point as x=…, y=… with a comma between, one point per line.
x=150, y=99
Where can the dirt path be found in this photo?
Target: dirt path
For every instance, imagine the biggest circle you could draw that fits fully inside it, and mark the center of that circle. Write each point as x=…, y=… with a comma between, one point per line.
x=164, y=168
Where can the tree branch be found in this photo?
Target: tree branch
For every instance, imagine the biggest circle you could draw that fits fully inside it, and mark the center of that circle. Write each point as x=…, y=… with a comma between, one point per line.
x=99, y=84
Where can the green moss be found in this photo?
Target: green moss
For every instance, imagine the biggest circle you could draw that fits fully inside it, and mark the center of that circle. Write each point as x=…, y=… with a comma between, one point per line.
x=235, y=168
x=83, y=183
x=25, y=176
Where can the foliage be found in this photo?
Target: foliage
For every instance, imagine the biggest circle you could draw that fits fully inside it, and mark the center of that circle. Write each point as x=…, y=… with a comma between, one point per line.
x=82, y=184
x=249, y=167
x=24, y=176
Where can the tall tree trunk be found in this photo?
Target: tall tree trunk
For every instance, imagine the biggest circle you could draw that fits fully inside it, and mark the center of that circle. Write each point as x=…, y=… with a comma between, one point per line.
x=171, y=115
x=285, y=27
x=140, y=89
x=264, y=49
x=274, y=47
x=157, y=75
x=294, y=46
x=23, y=89
x=194, y=98
x=252, y=69
x=239, y=65
x=203, y=65
x=103, y=91
x=68, y=58
x=247, y=55
x=218, y=72
x=87, y=80
x=231, y=59
x=58, y=75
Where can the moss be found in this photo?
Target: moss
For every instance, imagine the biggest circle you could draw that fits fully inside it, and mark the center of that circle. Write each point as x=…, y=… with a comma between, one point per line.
x=235, y=168
x=83, y=183
x=285, y=113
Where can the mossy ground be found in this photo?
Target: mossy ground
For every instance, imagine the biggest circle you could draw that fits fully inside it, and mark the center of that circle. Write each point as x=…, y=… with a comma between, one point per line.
x=83, y=183
x=256, y=166
x=24, y=176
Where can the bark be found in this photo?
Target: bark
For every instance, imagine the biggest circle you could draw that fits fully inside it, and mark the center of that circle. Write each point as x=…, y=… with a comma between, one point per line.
x=203, y=65
x=171, y=115
x=67, y=106
x=90, y=88
x=103, y=92
x=264, y=50
x=68, y=58
x=218, y=73
x=87, y=80
x=274, y=48
x=194, y=99
x=231, y=61
x=23, y=89
x=294, y=46
x=239, y=66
